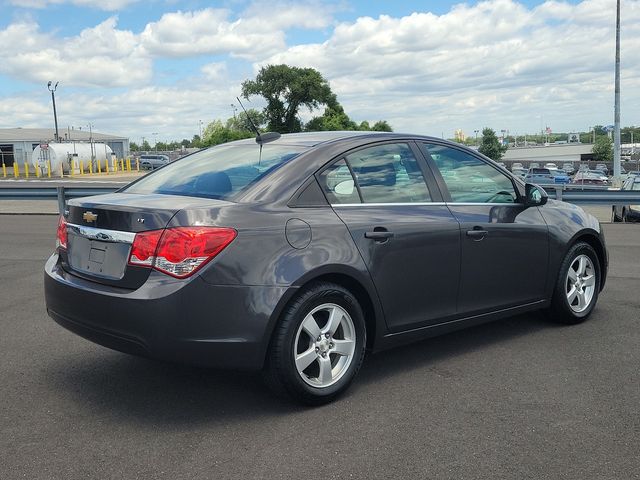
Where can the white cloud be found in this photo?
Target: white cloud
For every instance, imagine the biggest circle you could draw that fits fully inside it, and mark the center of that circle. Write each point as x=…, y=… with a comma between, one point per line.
x=100, y=56
x=495, y=61
x=213, y=31
x=109, y=5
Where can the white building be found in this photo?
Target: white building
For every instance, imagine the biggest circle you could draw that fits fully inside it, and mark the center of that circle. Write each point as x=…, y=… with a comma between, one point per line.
x=17, y=144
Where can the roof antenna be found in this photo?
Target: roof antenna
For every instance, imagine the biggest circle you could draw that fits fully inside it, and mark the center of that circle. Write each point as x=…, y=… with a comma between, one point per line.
x=255, y=129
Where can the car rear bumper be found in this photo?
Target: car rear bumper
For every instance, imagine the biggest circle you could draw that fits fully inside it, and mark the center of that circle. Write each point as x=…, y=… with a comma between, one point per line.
x=222, y=326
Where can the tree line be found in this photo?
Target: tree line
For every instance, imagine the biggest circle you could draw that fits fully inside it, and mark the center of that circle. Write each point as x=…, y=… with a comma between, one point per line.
x=287, y=90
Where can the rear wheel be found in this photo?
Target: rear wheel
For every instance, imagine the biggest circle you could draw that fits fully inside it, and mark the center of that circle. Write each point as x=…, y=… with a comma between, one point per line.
x=577, y=286
x=318, y=345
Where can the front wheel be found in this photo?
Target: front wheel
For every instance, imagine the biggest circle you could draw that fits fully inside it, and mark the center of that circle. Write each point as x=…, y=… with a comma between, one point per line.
x=577, y=286
x=318, y=345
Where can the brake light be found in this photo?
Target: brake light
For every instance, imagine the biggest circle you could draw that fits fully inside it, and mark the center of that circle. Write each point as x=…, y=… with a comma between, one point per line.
x=144, y=248
x=179, y=251
x=61, y=234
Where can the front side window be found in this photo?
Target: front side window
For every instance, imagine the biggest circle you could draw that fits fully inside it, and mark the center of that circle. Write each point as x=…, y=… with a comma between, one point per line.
x=469, y=179
x=387, y=173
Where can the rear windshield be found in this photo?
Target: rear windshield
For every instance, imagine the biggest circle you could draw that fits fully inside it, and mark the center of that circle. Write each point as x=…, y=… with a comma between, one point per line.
x=219, y=172
x=540, y=171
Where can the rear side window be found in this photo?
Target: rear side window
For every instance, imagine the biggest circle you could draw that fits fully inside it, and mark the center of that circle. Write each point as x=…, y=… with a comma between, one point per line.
x=387, y=173
x=219, y=172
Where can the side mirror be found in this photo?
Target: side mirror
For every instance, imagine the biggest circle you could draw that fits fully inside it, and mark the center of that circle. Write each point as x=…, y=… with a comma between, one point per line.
x=535, y=196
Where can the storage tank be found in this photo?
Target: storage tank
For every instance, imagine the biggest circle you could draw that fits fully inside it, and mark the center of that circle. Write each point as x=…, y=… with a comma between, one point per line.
x=62, y=153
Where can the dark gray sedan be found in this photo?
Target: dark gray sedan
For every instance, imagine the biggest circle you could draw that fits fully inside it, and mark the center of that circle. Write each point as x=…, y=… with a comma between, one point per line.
x=296, y=255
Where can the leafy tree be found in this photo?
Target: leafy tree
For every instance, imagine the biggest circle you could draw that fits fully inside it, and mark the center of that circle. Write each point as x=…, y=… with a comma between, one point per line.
x=381, y=126
x=287, y=89
x=333, y=118
x=241, y=122
x=133, y=146
x=364, y=126
x=603, y=149
x=145, y=147
x=185, y=143
x=196, y=141
x=218, y=132
x=490, y=145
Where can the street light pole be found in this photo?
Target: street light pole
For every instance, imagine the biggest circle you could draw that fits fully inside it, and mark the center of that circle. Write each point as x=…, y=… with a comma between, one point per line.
x=616, y=110
x=476, y=132
x=53, y=99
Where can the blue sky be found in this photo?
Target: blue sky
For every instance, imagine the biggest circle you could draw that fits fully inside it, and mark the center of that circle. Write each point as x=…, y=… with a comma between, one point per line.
x=132, y=67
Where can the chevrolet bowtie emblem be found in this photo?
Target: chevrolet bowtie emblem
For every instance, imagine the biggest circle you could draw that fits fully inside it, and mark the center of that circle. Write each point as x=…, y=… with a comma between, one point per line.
x=89, y=217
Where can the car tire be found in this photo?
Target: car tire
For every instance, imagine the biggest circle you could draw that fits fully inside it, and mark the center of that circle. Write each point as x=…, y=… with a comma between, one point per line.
x=318, y=345
x=577, y=286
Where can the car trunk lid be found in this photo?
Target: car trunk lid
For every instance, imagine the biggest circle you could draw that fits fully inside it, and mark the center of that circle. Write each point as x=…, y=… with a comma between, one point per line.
x=101, y=230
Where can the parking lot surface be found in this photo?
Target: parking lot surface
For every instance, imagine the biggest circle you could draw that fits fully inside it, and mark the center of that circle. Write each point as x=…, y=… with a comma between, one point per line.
x=518, y=398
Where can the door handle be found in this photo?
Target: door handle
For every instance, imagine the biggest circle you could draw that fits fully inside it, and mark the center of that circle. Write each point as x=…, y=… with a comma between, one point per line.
x=379, y=235
x=477, y=233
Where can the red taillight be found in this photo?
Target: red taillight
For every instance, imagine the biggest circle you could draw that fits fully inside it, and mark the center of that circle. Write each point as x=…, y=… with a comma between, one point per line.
x=179, y=251
x=61, y=234
x=144, y=248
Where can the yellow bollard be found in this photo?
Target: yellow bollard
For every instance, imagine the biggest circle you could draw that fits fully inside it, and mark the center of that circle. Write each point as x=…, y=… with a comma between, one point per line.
x=71, y=170
x=4, y=170
x=122, y=165
x=128, y=165
x=16, y=170
x=61, y=171
x=37, y=171
x=137, y=165
x=26, y=169
x=49, y=168
x=90, y=167
x=81, y=167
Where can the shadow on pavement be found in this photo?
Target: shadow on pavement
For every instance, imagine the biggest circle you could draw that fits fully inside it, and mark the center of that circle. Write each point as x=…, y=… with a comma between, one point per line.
x=102, y=382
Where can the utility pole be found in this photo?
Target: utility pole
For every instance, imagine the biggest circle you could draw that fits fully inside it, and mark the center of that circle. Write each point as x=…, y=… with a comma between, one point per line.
x=616, y=110
x=53, y=99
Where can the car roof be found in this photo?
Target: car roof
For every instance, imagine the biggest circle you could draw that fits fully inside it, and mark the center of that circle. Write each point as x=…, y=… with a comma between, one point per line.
x=311, y=139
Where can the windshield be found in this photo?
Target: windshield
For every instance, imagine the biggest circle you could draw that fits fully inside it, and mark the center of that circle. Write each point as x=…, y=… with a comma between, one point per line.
x=219, y=172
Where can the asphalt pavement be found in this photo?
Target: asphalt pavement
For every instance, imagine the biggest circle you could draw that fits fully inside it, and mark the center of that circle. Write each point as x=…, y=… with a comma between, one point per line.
x=518, y=398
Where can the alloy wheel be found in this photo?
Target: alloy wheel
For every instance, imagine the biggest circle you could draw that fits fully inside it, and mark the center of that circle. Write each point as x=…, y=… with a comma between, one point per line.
x=580, y=283
x=324, y=345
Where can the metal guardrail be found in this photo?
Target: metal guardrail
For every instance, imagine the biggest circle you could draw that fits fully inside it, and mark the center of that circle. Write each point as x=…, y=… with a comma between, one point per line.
x=578, y=194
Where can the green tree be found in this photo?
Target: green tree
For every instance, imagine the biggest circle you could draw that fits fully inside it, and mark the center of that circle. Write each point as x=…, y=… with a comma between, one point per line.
x=490, y=145
x=133, y=146
x=145, y=147
x=603, y=149
x=333, y=118
x=381, y=126
x=241, y=122
x=287, y=89
x=196, y=141
x=217, y=132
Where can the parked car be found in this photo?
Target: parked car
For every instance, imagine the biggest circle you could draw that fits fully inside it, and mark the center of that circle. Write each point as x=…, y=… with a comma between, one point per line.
x=540, y=176
x=551, y=166
x=590, y=178
x=297, y=255
x=603, y=167
x=534, y=165
x=516, y=165
x=560, y=176
x=627, y=213
x=569, y=168
x=151, y=162
x=519, y=171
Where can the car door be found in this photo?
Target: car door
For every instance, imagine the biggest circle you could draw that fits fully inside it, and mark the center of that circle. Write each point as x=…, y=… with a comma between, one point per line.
x=406, y=235
x=504, y=245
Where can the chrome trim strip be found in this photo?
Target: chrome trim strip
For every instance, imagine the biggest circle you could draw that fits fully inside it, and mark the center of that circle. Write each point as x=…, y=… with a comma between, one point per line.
x=440, y=204
x=102, y=234
x=404, y=204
